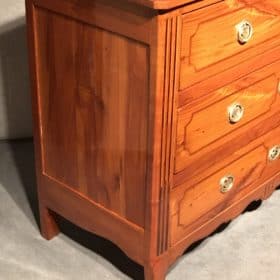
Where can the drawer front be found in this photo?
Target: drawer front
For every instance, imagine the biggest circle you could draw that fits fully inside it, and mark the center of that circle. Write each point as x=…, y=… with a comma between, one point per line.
x=191, y=206
x=226, y=115
x=226, y=34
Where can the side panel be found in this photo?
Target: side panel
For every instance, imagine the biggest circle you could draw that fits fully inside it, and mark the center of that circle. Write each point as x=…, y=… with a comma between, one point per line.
x=93, y=102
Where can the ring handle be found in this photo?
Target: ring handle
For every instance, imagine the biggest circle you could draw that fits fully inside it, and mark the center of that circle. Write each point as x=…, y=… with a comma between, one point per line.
x=226, y=183
x=235, y=112
x=245, y=31
x=274, y=153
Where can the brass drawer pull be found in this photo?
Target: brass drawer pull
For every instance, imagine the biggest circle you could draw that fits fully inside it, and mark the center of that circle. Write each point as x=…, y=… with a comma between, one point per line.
x=235, y=112
x=226, y=183
x=244, y=31
x=274, y=153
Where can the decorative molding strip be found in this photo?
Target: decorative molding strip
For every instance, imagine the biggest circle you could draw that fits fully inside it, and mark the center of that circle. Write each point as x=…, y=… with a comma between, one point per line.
x=172, y=35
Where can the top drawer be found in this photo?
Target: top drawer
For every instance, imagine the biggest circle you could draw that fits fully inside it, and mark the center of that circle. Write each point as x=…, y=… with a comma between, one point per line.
x=226, y=34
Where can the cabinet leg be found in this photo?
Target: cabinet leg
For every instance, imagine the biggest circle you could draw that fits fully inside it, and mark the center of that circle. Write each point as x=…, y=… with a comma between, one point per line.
x=49, y=228
x=155, y=272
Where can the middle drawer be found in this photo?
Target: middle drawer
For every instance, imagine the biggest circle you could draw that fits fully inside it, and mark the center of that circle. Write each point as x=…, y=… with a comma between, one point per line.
x=212, y=128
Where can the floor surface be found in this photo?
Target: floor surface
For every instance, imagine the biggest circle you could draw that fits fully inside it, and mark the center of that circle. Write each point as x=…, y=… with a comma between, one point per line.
x=248, y=249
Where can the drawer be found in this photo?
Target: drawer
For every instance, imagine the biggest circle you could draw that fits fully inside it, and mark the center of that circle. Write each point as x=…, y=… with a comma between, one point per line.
x=227, y=119
x=191, y=206
x=227, y=34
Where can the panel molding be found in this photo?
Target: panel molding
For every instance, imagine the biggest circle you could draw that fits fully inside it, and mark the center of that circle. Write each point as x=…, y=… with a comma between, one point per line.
x=94, y=128
x=170, y=89
x=262, y=192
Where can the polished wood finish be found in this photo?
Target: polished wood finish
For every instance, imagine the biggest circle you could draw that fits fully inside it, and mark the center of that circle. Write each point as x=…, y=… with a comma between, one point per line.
x=131, y=128
x=49, y=227
x=193, y=205
x=103, y=222
x=209, y=40
x=92, y=126
x=169, y=4
x=199, y=133
x=204, y=129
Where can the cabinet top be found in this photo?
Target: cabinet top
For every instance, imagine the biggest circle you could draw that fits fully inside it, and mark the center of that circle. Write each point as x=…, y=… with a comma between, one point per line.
x=164, y=4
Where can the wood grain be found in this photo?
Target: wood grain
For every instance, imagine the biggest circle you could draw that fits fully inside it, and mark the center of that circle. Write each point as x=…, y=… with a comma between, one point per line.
x=172, y=41
x=209, y=38
x=193, y=93
x=204, y=130
x=94, y=218
x=170, y=4
x=197, y=133
x=203, y=197
x=106, y=14
x=94, y=134
x=130, y=118
x=258, y=193
x=194, y=204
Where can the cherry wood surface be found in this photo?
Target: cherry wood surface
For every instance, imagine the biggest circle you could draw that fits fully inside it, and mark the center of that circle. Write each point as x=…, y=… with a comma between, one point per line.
x=203, y=126
x=192, y=205
x=131, y=131
x=198, y=133
x=91, y=125
x=169, y=4
x=209, y=40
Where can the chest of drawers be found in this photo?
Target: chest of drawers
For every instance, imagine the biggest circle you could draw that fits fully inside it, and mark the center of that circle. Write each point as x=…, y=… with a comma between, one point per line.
x=155, y=121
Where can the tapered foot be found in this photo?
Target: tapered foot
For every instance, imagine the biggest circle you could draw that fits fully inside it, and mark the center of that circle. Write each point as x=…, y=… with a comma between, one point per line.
x=49, y=228
x=155, y=272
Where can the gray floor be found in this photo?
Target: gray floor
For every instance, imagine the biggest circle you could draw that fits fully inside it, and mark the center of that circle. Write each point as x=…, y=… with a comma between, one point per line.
x=247, y=249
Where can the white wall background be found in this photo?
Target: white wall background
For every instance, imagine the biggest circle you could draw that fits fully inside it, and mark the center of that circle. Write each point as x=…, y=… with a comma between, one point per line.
x=15, y=107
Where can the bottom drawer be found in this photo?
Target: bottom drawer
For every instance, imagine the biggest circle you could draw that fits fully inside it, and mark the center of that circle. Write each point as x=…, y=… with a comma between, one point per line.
x=191, y=206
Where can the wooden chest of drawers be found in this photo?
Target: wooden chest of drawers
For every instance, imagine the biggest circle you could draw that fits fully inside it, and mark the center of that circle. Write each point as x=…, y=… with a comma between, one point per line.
x=155, y=121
